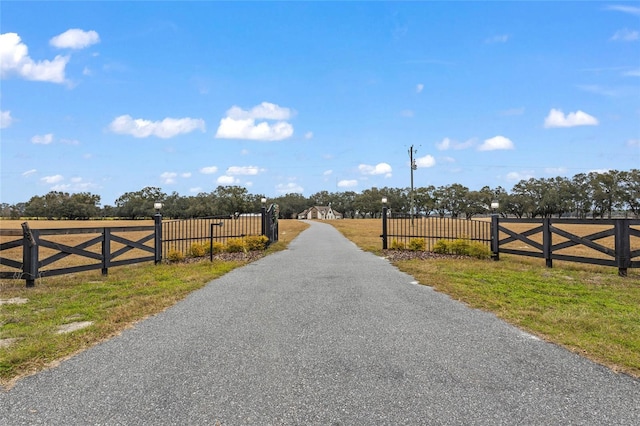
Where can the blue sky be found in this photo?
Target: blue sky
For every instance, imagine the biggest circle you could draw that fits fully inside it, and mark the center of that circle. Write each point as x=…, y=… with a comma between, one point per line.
x=283, y=97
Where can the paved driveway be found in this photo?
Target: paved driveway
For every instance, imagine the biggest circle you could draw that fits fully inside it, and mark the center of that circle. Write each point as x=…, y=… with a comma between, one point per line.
x=323, y=334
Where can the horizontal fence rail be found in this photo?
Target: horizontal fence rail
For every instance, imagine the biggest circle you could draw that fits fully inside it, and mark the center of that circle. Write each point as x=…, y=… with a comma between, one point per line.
x=606, y=242
x=403, y=228
x=30, y=254
x=92, y=248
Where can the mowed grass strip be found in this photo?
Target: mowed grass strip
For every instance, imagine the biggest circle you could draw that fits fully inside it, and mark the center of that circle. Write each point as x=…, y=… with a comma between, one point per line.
x=29, y=338
x=587, y=309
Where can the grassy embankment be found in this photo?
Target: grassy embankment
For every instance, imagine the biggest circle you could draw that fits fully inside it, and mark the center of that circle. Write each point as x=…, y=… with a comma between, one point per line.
x=587, y=309
x=29, y=338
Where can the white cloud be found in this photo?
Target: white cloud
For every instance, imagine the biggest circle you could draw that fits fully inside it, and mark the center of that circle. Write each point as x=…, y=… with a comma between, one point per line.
x=289, y=188
x=70, y=141
x=15, y=60
x=346, y=183
x=227, y=180
x=244, y=170
x=626, y=9
x=29, y=172
x=42, y=139
x=308, y=135
x=502, y=38
x=518, y=176
x=556, y=171
x=209, y=170
x=52, y=179
x=167, y=128
x=168, y=177
x=378, y=169
x=426, y=161
x=185, y=175
x=496, y=143
x=195, y=190
x=633, y=143
x=327, y=172
x=556, y=118
x=241, y=124
x=419, y=87
x=625, y=34
x=5, y=119
x=448, y=143
x=244, y=152
x=265, y=110
x=632, y=73
x=75, y=39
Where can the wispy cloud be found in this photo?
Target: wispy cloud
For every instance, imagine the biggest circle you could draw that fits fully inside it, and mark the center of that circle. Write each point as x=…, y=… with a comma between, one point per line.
x=632, y=10
x=167, y=128
x=501, y=38
x=5, y=119
x=289, y=188
x=448, y=143
x=419, y=87
x=209, y=170
x=42, y=139
x=75, y=39
x=347, y=183
x=625, y=35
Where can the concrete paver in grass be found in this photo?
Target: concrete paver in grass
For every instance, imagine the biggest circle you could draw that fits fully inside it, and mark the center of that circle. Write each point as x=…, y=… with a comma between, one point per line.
x=323, y=333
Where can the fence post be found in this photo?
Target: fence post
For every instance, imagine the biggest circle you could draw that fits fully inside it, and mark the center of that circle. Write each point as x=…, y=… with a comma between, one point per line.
x=106, y=250
x=546, y=241
x=263, y=215
x=623, y=246
x=29, y=255
x=384, y=226
x=495, y=235
x=158, y=238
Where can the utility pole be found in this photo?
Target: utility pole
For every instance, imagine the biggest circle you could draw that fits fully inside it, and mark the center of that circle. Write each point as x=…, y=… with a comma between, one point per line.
x=413, y=165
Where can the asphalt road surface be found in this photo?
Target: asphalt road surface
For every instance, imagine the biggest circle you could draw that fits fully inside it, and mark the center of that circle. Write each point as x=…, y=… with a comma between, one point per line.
x=323, y=334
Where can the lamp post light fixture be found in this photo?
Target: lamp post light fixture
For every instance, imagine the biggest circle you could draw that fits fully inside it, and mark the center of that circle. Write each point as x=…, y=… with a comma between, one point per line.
x=495, y=206
x=157, y=205
x=263, y=200
x=384, y=223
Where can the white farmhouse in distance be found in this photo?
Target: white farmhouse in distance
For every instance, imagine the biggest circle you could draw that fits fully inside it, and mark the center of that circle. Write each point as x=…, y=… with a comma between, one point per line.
x=320, y=212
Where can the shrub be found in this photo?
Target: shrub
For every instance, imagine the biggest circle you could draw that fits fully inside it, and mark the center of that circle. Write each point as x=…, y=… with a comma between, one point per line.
x=417, y=244
x=441, y=247
x=256, y=242
x=479, y=250
x=197, y=250
x=218, y=247
x=235, y=245
x=397, y=245
x=462, y=247
x=175, y=255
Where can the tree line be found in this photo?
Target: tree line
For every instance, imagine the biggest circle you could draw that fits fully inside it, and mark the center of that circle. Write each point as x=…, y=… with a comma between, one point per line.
x=597, y=195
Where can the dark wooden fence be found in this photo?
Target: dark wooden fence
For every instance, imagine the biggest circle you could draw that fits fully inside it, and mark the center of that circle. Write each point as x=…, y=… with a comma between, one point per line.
x=35, y=242
x=606, y=242
x=108, y=247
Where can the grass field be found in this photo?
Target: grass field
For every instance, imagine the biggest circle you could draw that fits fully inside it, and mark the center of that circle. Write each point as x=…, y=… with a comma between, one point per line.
x=30, y=318
x=587, y=309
